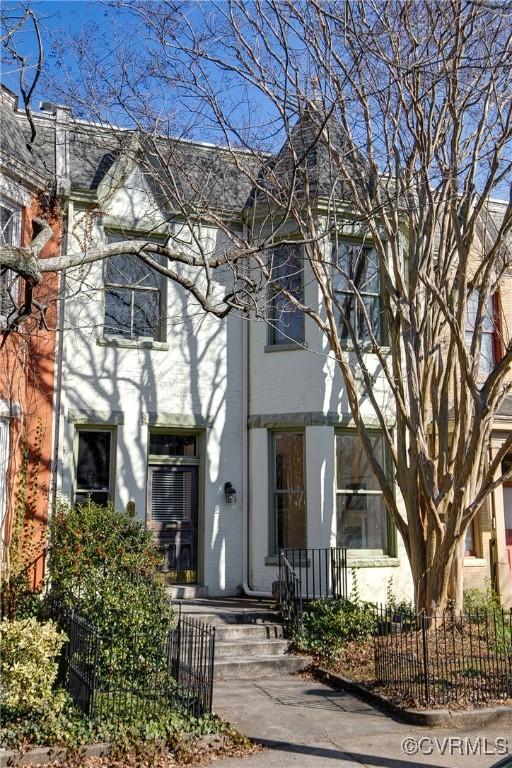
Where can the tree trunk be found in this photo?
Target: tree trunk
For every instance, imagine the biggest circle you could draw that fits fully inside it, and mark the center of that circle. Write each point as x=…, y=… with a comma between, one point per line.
x=456, y=579
x=437, y=576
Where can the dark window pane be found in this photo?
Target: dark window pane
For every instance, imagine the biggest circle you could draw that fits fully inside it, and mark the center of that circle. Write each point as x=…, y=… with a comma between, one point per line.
x=146, y=314
x=171, y=445
x=6, y=226
x=361, y=517
x=118, y=312
x=358, y=265
x=487, y=361
x=289, y=457
x=291, y=520
x=356, y=316
x=93, y=461
x=361, y=522
x=287, y=274
x=287, y=322
x=353, y=469
x=289, y=498
x=127, y=269
x=98, y=497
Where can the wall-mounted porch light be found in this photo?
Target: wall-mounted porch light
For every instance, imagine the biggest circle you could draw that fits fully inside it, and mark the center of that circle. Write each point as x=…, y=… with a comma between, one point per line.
x=229, y=493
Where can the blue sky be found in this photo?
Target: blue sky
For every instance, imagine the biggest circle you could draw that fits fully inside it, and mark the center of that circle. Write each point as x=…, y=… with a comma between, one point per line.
x=55, y=15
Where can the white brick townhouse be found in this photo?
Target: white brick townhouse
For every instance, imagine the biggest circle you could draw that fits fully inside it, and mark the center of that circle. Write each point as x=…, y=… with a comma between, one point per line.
x=231, y=438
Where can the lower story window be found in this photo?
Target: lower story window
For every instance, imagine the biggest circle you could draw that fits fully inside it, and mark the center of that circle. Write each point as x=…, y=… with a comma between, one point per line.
x=362, y=521
x=94, y=466
x=289, y=504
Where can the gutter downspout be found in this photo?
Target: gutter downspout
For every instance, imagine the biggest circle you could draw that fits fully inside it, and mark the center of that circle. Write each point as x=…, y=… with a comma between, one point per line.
x=245, y=460
x=63, y=192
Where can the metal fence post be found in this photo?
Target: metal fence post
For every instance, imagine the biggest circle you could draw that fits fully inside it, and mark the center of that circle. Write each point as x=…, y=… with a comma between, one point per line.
x=178, y=653
x=424, y=637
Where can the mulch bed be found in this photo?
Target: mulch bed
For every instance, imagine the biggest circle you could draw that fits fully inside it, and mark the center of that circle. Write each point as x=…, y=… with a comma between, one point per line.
x=357, y=662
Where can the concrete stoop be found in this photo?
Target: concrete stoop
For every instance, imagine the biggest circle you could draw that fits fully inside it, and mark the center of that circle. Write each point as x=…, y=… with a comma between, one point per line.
x=249, y=643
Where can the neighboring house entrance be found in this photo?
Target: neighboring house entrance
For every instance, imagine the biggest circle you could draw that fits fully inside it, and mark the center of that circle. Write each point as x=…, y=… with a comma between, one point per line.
x=173, y=509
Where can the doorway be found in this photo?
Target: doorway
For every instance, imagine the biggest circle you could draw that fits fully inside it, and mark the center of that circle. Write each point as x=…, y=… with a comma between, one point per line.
x=173, y=503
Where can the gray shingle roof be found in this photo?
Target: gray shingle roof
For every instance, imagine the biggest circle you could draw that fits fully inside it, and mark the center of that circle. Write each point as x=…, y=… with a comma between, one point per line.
x=179, y=172
x=312, y=147
x=15, y=136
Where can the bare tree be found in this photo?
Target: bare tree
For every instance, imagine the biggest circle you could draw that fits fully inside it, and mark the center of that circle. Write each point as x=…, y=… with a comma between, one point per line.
x=389, y=128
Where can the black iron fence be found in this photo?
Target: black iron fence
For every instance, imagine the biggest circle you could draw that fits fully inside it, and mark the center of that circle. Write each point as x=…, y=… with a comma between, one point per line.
x=111, y=677
x=310, y=574
x=431, y=660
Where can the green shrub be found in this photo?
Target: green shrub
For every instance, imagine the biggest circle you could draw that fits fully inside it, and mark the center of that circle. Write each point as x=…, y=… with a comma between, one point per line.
x=400, y=608
x=57, y=722
x=27, y=663
x=328, y=624
x=90, y=536
x=481, y=600
x=103, y=566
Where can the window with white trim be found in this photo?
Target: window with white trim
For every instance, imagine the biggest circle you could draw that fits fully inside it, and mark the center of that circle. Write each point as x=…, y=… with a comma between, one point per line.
x=362, y=521
x=134, y=298
x=356, y=271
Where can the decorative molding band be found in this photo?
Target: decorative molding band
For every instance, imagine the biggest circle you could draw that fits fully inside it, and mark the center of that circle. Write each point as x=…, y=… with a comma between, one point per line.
x=95, y=417
x=308, y=419
x=176, y=420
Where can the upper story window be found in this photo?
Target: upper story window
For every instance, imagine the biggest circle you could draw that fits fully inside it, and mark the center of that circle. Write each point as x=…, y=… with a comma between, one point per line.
x=356, y=271
x=487, y=331
x=133, y=298
x=286, y=320
x=9, y=235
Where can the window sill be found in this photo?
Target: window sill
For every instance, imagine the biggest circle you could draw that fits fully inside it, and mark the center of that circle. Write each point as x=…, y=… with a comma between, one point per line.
x=366, y=349
x=106, y=341
x=373, y=562
x=291, y=347
x=470, y=561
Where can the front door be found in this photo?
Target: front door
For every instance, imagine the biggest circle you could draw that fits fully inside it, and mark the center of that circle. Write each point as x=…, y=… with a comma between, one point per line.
x=173, y=514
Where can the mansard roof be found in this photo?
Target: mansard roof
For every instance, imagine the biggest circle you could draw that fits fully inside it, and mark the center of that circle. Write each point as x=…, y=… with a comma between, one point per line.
x=38, y=157
x=179, y=172
x=310, y=153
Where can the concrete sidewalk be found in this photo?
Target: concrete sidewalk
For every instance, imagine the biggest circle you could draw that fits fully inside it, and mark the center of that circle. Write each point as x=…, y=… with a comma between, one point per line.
x=305, y=724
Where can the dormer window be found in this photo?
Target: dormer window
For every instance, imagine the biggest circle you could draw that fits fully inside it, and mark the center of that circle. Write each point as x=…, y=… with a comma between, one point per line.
x=133, y=298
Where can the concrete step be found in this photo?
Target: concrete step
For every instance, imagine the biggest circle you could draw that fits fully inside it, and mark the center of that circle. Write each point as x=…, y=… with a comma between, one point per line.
x=186, y=591
x=260, y=667
x=225, y=632
x=250, y=648
x=220, y=618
